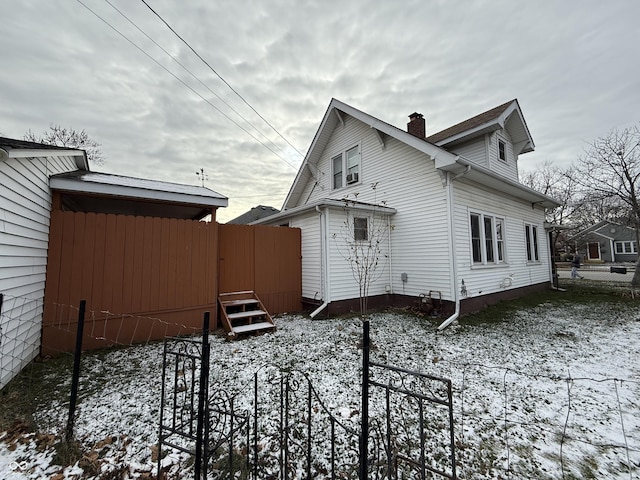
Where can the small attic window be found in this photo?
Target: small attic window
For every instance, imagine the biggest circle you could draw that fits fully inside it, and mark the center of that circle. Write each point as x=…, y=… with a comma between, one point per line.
x=502, y=151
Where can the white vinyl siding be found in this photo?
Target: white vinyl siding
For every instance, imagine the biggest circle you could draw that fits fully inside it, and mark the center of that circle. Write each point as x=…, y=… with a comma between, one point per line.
x=516, y=271
x=408, y=182
x=311, y=255
x=25, y=207
x=509, y=167
x=343, y=282
x=474, y=151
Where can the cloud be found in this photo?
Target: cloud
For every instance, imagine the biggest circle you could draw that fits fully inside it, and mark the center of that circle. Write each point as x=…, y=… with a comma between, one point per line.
x=569, y=63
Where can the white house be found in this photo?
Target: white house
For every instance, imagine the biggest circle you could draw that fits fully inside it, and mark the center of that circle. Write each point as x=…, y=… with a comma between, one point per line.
x=25, y=212
x=460, y=226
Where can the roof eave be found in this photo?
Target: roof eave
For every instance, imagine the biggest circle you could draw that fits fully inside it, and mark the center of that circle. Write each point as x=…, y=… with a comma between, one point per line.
x=71, y=185
x=325, y=203
x=433, y=151
x=497, y=182
x=79, y=156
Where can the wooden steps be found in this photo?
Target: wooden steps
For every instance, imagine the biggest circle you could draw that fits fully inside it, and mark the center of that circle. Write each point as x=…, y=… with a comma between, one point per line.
x=243, y=312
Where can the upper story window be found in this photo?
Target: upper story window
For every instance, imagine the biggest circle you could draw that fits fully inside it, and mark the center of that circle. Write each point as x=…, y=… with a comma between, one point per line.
x=502, y=151
x=345, y=167
x=531, y=236
x=626, y=247
x=487, y=239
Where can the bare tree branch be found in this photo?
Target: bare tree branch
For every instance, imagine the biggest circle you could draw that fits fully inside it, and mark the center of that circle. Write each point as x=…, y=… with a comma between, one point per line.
x=68, y=137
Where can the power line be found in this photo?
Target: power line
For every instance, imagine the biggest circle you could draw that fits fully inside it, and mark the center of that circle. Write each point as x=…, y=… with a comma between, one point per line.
x=219, y=76
x=190, y=73
x=187, y=85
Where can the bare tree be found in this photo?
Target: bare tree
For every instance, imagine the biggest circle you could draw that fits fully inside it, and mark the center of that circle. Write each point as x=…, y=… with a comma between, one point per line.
x=363, y=244
x=610, y=171
x=68, y=137
x=561, y=184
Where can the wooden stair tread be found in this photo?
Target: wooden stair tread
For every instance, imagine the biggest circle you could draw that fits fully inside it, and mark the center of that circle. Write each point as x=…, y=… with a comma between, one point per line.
x=253, y=327
x=243, y=301
x=249, y=313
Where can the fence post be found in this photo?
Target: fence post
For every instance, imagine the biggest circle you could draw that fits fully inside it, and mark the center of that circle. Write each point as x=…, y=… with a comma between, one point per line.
x=364, y=434
x=76, y=372
x=202, y=394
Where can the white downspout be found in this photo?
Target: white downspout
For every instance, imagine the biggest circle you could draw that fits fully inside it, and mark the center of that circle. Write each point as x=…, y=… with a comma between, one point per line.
x=390, y=255
x=452, y=236
x=324, y=263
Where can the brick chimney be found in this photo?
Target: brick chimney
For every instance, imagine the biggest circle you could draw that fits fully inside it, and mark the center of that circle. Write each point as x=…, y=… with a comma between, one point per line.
x=417, y=125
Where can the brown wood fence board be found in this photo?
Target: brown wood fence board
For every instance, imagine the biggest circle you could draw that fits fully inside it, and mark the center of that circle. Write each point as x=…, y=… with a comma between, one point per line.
x=164, y=264
x=119, y=264
x=264, y=259
x=129, y=252
x=144, y=278
x=172, y=271
x=88, y=255
x=99, y=246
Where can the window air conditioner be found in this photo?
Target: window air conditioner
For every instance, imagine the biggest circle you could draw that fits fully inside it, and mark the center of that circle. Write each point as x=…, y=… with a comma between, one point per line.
x=352, y=178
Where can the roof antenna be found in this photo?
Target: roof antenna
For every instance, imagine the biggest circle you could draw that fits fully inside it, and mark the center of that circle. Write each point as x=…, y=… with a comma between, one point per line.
x=202, y=176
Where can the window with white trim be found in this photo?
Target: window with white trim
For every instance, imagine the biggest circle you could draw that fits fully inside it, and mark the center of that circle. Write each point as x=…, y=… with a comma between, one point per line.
x=360, y=229
x=487, y=239
x=531, y=237
x=626, y=247
x=345, y=167
x=502, y=151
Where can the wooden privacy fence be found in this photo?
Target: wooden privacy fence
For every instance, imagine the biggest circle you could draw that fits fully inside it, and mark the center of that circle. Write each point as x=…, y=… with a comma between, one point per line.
x=267, y=260
x=145, y=277
x=143, y=266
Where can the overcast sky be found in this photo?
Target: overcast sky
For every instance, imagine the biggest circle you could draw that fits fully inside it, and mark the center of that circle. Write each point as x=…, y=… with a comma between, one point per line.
x=573, y=65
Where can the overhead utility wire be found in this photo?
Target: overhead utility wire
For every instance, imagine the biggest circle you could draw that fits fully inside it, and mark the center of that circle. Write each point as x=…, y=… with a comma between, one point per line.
x=190, y=72
x=220, y=76
x=188, y=86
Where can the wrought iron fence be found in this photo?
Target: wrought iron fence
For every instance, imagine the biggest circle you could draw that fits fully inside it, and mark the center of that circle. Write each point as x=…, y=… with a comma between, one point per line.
x=279, y=426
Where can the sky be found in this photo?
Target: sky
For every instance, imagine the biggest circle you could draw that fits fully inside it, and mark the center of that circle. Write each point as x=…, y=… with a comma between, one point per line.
x=572, y=64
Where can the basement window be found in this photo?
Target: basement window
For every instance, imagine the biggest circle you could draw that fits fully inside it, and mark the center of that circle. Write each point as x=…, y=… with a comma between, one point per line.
x=360, y=229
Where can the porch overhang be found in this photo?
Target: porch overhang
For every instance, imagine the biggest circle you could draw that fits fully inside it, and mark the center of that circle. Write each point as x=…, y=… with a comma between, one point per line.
x=327, y=203
x=105, y=193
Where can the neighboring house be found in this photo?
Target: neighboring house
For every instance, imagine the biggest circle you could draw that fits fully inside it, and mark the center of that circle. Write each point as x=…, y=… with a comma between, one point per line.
x=460, y=225
x=25, y=213
x=606, y=242
x=256, y=213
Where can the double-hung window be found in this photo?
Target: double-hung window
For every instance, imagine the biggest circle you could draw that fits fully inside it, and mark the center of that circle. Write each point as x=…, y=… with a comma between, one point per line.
x=626, y=247
x=345, y=167
x=487, y=239
x=531, y=237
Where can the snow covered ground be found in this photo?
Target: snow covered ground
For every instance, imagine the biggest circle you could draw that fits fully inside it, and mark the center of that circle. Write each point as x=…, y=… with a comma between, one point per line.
x=552, y=392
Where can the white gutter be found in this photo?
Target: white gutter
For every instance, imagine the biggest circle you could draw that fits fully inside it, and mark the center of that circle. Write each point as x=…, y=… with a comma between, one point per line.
x=452, y=230
x=324, y=262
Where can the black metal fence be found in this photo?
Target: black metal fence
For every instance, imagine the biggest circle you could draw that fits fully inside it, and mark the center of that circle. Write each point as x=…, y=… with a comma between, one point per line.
x=279, y=427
